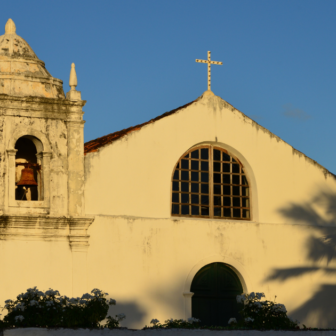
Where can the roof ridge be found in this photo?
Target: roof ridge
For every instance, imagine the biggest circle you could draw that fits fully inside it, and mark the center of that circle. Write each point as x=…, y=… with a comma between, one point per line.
x=95, y=144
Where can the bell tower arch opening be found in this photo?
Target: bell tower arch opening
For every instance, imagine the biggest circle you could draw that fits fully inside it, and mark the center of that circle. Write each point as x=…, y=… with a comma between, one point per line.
x=27, y=170
x=215, y=288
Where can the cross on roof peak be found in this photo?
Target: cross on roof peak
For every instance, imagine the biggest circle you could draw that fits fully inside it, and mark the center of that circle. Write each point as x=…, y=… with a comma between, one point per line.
x=209, y=62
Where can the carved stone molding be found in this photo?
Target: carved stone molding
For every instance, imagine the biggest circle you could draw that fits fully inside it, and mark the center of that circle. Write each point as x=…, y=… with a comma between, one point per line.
x=78, y=237
x=47, y=228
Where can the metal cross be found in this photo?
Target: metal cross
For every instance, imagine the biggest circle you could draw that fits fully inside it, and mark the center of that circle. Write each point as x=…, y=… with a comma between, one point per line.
x=209, y=67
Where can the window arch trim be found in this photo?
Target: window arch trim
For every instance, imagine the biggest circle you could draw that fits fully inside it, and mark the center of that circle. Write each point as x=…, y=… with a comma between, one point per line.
x=242, y=172
x=43, y=158
x=235, y=265
x=42, y=143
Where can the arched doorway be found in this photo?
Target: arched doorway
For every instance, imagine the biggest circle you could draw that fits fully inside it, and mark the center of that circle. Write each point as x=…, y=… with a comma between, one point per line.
x=215, y=287
x=26, y=155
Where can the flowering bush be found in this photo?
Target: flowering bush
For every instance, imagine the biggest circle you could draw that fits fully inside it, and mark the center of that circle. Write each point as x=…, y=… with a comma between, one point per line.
x=192, y=323
x=49, y=309
x=232, y=321
x=259, y=314
x=114, y=322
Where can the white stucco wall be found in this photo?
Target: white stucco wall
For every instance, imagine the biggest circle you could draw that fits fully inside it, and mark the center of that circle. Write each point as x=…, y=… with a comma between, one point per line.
x=146, y=259
x=136, y=170
x=29, y=262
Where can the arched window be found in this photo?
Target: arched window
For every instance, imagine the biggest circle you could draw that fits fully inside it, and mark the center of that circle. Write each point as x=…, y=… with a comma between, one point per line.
x=27, y=171
x=210, y=182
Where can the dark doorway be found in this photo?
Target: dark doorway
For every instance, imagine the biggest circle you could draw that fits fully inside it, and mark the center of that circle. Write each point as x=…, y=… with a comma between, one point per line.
x=215, y=288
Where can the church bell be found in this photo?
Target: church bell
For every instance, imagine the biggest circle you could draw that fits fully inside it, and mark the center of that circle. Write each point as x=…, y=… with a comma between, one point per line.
x=27, y=178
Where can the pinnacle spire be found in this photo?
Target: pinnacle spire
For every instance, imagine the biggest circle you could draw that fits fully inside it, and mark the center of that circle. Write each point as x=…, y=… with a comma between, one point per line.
x=10, y=27
x=73, y=78
x=73, y=94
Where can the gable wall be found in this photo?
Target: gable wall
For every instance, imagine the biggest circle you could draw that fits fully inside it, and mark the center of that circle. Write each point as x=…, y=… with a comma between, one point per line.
x=132, y=176
x=146, y=259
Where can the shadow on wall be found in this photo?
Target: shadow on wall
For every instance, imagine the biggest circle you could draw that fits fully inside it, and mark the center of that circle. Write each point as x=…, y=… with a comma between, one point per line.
x=134, y=314
x=320, y=214
x=165, y=301
x=170, y=300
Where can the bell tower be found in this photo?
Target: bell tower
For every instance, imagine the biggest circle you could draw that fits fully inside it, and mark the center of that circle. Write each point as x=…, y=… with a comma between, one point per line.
x=41, y=153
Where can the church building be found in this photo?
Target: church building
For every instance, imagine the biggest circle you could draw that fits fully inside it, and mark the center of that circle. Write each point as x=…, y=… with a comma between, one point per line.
x=173, y=217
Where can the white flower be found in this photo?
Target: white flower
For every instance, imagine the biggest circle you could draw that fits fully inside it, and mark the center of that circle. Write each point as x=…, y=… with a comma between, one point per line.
x=20, y=306
x=73, y=301
x=154, y=321
x=112, y=302
x=97, y=292
x=8, y=303
x=39, y=293
x=251, y=296
x=240, y=298
x=279, y=308
x=232, y=320
x=260, y=295
x=193, y=320
x=52, y=292
x=19, y=318
x=87, y=296
x=120, y=316
x=249, y=319
x=31, y=290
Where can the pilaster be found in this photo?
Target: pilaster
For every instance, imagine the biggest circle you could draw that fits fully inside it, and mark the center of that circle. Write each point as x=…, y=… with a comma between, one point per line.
x=46, y=178
x=187, y=304
x=11, y=175
x=79, y=243
x=75, y=167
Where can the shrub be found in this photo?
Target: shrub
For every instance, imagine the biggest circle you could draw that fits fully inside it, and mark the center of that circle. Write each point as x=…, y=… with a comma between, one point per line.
x=49, y=309
x=257, y=314
x=114, y=322
x=192, y=323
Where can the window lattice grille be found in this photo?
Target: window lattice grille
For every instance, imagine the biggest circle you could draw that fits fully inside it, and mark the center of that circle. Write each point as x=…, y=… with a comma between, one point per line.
x=209, y=182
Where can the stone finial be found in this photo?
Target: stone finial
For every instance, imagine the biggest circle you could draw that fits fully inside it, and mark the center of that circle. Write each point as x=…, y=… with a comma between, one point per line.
x=10, y=27
x=73, y=78
x=73, y=94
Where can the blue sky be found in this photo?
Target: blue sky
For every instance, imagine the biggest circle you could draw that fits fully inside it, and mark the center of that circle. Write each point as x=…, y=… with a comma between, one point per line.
x=136, y=60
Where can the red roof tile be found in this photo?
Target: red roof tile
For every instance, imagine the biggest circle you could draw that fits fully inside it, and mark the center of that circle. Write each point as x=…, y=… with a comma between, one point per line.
x=94, y=145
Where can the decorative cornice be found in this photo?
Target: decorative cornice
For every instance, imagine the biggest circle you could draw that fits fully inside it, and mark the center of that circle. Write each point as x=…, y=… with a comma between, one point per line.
x=47, y=228
x=11, y=151
x=43, y=100
x=78, y=237
x=75, y=123
x=38, y=107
